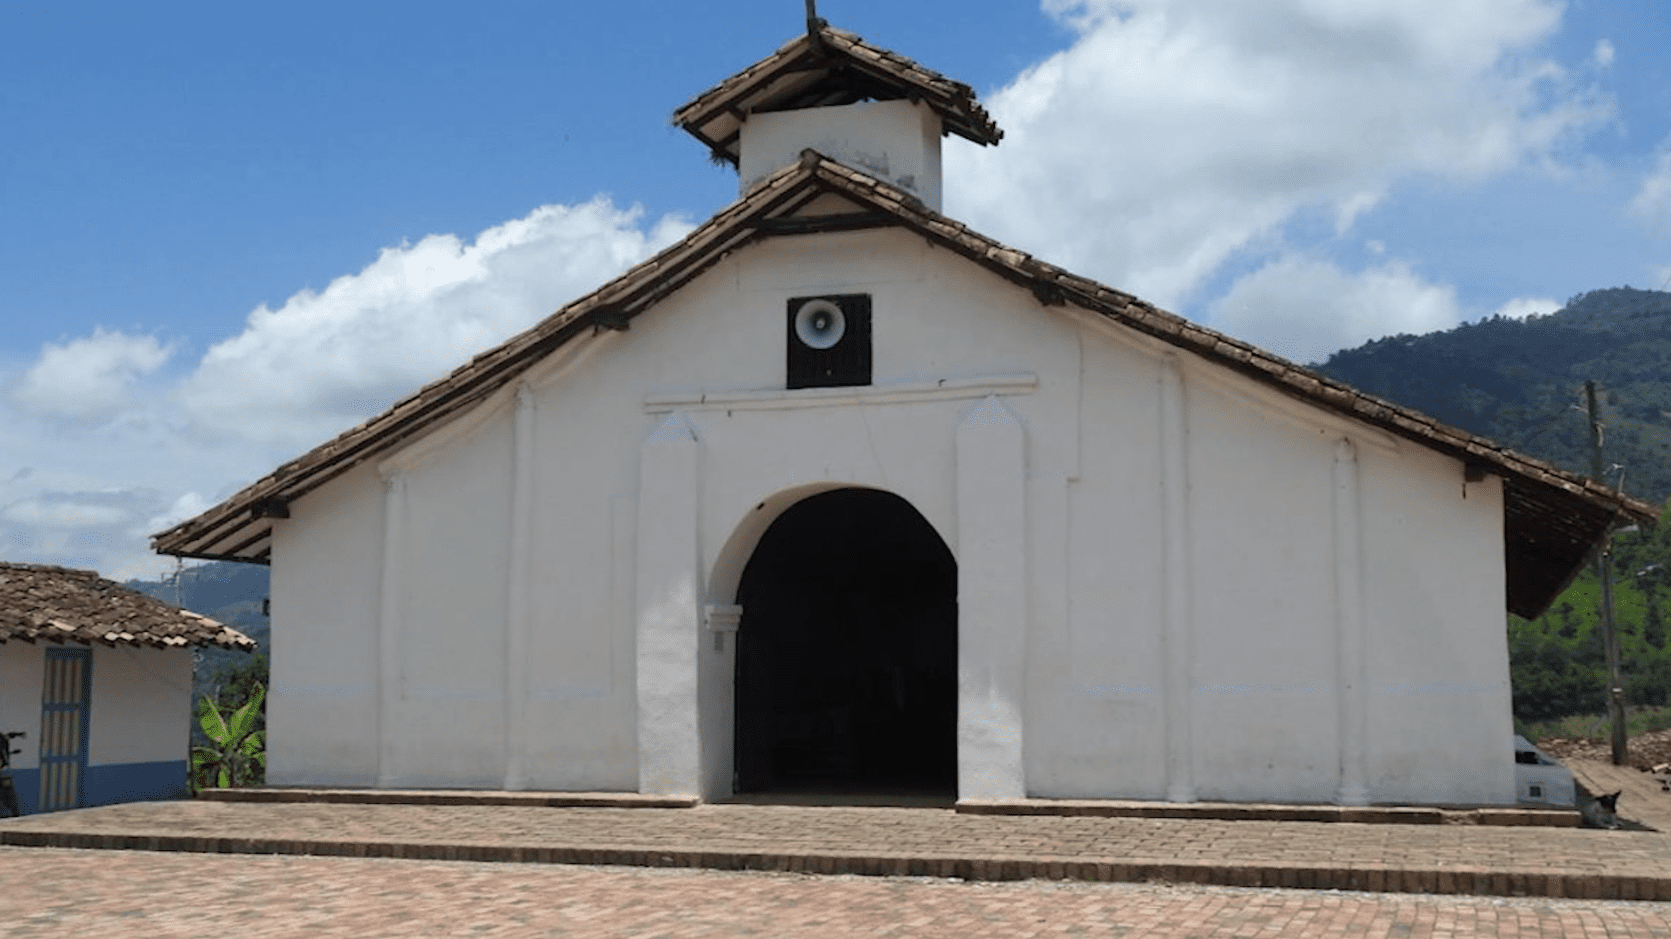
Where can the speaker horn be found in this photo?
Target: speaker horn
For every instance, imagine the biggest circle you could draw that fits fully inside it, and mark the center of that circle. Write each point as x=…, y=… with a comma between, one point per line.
x=820, y=324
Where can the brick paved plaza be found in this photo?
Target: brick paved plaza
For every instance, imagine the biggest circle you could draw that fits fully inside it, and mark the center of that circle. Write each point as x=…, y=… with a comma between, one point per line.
x=50, y=892
x=1464, y=859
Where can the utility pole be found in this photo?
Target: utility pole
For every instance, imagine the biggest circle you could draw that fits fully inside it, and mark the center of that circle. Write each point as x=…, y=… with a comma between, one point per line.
x=1604, y=569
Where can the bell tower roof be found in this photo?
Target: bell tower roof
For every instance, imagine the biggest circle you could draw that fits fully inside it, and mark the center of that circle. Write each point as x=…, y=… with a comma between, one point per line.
x=822, y=68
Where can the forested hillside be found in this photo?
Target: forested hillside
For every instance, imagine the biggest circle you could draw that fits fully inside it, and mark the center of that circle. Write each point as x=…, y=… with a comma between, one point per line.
x=228, y=593
x=1521, y=383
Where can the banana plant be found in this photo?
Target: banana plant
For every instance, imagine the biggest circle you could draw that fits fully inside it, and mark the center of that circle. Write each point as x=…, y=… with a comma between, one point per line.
x=237, y=752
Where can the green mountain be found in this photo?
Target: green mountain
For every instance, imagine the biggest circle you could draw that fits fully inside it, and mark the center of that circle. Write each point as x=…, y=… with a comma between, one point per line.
x=1521, y=383
x=229, y=593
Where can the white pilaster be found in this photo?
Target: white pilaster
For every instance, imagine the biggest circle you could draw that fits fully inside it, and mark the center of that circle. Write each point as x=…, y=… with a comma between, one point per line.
x=1177, y=642
x=519, y=603
x=1349, y=628
x=991, y=602
x=669, y=614
x=389, y=626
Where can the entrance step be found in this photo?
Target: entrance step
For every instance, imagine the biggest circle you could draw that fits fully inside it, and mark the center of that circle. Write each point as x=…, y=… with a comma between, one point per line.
x=605, y=800
x=1257, y=811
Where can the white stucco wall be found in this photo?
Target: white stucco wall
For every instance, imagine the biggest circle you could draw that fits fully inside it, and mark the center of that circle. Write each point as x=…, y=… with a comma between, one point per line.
x=1440, y=715
x=1178, y=628
x=141, y=705
x=896, y=141
x=324, y=598
x=22, y=669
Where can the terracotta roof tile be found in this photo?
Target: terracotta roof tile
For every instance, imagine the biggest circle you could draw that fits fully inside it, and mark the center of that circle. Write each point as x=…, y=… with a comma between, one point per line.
x=1551, y=517
x=833, y=67
x=60, y=604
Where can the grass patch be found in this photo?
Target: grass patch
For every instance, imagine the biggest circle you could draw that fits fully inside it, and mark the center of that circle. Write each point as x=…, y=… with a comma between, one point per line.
x=1638, y=720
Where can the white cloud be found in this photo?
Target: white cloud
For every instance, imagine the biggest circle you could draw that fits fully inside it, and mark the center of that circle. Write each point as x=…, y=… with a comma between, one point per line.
x=184, y=507
x=63, y=513
x=100, y=529
x=90, y=376
x=1652, y=203
x=1174, y=134
x=88, y=493
x=1604, y=53
x=1521, y=307
x=324, y=361
x=1305, y=309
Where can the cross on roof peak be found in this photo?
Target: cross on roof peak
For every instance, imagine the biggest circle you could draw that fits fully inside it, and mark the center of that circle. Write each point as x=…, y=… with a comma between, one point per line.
x=814, y=23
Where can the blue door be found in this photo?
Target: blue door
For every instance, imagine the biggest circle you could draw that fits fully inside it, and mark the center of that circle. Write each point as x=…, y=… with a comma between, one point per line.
x=64, y=719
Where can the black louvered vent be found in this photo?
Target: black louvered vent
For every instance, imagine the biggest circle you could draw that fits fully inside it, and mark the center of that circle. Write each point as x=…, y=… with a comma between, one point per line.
x=828, y=339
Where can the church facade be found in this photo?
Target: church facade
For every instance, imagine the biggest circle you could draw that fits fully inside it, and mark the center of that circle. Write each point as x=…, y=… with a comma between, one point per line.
x=837, y=494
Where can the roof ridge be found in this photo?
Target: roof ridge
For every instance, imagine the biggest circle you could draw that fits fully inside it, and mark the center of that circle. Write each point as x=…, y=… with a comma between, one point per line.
x=54, y=568
x=1571, y=508
x=715, y=116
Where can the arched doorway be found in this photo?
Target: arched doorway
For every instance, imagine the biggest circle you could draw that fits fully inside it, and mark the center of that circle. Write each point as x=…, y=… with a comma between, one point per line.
x=847, y=651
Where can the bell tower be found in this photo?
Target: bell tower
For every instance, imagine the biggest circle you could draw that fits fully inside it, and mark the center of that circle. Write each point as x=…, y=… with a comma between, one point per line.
x=829, y=91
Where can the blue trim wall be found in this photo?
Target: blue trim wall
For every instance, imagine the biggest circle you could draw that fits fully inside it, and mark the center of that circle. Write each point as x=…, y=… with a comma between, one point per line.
x=27, y=782
x=135, y=782
x=111, y=783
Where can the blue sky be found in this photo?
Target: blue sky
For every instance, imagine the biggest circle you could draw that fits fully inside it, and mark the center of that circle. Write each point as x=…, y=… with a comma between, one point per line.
x=229, y=231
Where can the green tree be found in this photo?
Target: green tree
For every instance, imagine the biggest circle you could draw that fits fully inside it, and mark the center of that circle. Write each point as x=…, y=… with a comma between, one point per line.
x=236, y=754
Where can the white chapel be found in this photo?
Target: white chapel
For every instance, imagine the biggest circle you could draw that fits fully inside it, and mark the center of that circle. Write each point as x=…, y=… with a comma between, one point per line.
x=839, y=495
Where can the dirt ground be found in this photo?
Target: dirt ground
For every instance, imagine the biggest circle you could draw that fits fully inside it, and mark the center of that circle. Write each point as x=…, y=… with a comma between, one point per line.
x=1645, y=750
x=1644, y=796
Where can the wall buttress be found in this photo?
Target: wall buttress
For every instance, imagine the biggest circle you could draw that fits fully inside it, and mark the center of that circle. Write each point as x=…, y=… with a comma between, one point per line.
x=1349, y=628
x=992, y=602
x=669, y=615
x=519, y=602
x=1177, y=639
x=389, y=627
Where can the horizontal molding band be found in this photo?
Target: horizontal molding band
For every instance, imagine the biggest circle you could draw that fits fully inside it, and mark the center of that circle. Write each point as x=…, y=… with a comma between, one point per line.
x=778, y=399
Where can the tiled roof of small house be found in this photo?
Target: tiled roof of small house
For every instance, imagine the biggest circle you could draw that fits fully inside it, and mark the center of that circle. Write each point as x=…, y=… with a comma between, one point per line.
x=60, y=604
x=1551, y=517
x=824, y=67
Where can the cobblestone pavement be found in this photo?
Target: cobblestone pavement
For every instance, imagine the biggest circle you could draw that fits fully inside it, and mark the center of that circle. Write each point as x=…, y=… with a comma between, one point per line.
x=1415, y=858
x=50, y=892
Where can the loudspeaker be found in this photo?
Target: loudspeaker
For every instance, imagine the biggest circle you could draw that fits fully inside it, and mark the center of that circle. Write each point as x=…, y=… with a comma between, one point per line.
x=828, y=341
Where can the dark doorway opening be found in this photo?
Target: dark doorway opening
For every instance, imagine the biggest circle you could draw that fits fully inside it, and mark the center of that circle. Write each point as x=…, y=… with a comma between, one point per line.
x=847, y=652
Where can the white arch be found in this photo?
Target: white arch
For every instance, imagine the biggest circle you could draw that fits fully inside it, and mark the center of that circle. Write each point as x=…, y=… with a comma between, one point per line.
x=718, y=701
x=727, y=571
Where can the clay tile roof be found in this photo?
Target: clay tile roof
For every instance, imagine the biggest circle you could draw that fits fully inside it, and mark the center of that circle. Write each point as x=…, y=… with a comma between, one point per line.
x=1551, y=517
x=60, y=604
x=829, y=67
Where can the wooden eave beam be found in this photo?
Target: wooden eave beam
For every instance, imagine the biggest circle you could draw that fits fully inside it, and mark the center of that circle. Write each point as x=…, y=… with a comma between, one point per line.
x=727, y=145
x=250, y=542
x=728, y=98
x=813, y=224
x=225, y=525
x=271, y=507
x=216, y=556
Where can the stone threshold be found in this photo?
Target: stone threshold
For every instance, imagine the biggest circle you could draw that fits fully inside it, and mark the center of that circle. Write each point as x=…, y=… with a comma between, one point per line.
x=1512, y=816
x=1508, y=815
x=565, y=800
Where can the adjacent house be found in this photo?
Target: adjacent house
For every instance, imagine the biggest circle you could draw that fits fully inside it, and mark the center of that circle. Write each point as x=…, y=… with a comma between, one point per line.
x=98, y=677
x=838, y=494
